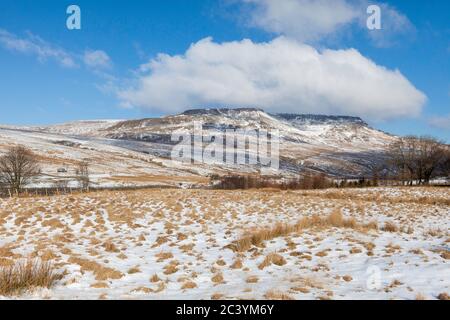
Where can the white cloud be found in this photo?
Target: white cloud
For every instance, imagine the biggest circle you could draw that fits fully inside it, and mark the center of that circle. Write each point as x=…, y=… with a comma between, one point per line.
x=34, y=45
x=315, y=20
x=280, y=76
x=440, y=122
x=304, y=20
x=97, y=59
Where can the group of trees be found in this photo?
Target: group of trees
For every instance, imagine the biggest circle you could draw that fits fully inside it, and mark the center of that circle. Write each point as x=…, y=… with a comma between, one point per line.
x=19, y=166
x=82, y=175
x=419, y=159
x=306, y=181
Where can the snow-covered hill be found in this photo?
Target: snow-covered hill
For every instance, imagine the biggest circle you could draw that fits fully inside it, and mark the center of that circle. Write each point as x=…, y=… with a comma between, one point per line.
x=78, y=128
x=140, y=149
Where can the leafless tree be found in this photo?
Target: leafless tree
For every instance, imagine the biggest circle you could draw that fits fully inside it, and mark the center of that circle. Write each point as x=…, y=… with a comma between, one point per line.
x=377, y=171
x=82, y=172
x=417, y=158
x=432, y=154
x=403, y=158
x=17, y=167
x=61, y=184
x=445, y=168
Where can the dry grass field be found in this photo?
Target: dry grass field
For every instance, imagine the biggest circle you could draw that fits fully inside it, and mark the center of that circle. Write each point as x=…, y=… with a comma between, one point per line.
x=377, y=243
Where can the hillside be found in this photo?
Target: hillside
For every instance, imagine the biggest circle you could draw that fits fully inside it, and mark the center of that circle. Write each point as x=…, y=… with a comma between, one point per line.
x=135, y=152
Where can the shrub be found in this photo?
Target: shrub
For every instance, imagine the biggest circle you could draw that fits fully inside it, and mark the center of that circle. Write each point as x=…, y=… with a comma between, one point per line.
x=336, y=219
x=27, y=275
x=390, y=227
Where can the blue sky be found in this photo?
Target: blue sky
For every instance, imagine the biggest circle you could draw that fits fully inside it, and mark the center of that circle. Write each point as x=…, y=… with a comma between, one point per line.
x=50, y=74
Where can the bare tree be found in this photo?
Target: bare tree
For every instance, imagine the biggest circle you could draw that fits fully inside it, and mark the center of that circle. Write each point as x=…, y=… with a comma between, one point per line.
x=445, y=166
x=403, y=158
x=417, y=158
x=17, y=167
x=61, y=184
x=431, y=155
x=377, y=170
x=82, y=173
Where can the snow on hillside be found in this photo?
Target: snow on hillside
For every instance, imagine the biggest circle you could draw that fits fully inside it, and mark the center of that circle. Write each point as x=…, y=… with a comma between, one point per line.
x=78, y=128
x=320, y=131
x=110, y=163
x=338, y=145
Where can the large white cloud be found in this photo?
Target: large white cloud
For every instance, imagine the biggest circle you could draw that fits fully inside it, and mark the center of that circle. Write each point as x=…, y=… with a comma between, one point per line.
x=279, y=76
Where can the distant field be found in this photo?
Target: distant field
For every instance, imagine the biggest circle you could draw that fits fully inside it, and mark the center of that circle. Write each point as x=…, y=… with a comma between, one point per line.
x=377, y=243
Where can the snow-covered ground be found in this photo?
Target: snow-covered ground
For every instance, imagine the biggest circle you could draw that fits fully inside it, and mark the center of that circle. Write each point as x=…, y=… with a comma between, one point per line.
x=112, y=163
x=175, y=244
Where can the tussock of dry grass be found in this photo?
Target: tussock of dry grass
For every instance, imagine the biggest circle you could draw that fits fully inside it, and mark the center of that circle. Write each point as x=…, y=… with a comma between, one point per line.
x=143, y=290
x=277, y=295
x=252, y=279
x=100, y=285
x=218, y=278
x=322, y=253
x=420, y=296
x=110, y=247
x=171, y=268
x=134, y=270
x=163, y=256
x=217, y=296
x=272, y=258
x=389, y=227
x=435, y=233
x=355, y=250
x=6, y=262
x=27, y=275
x=101, y=272
x=300, y=289
x=221, y=262
x=237, y=264
x=189, y=285
x=335, y=219
x=155, y=278
x=445, y=255
x=347, y=278
x=443, y=296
